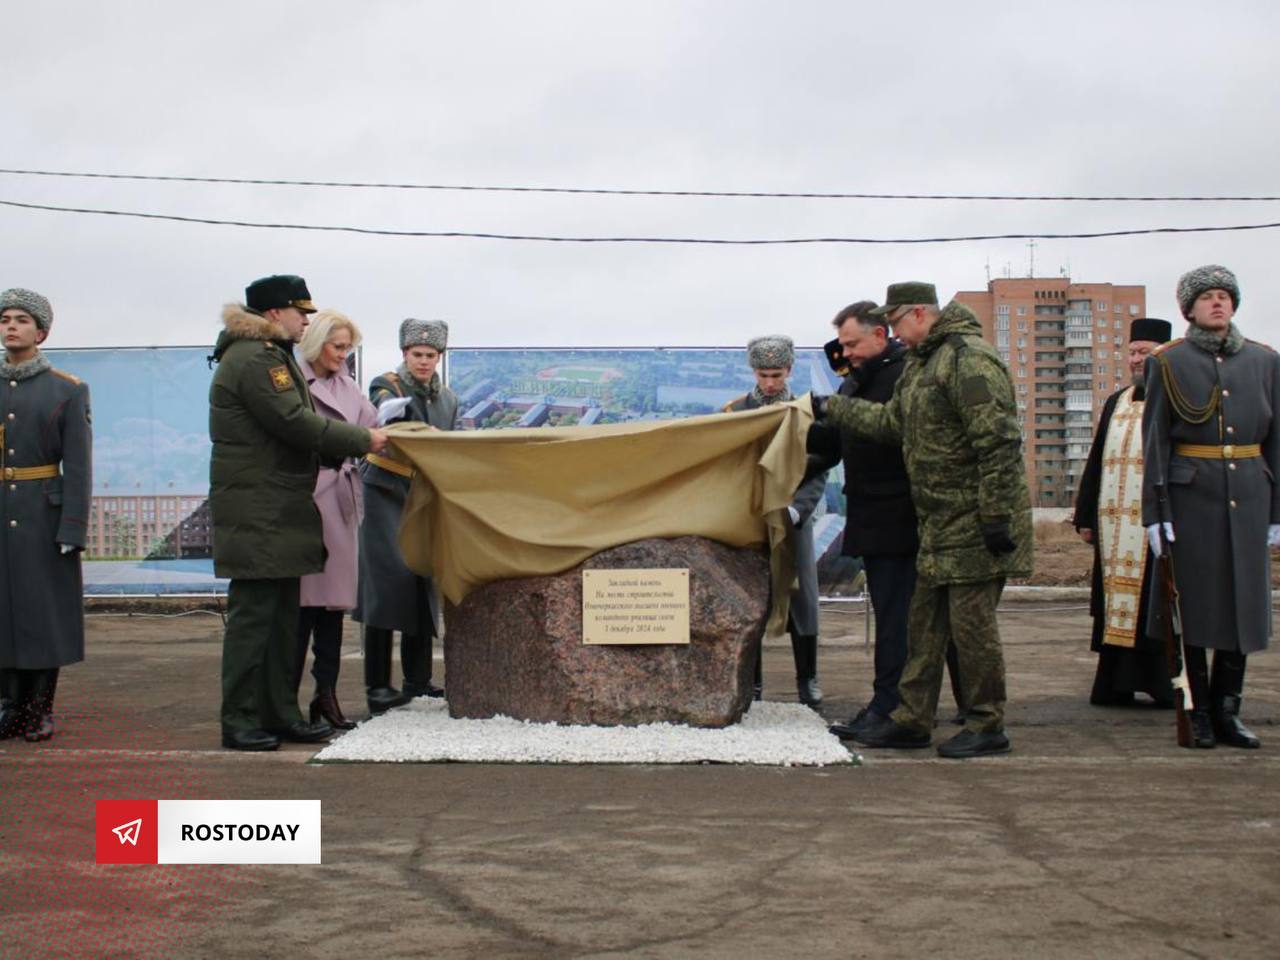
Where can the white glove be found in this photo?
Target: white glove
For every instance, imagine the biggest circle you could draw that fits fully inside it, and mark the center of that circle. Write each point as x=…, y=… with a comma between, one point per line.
x=794, y=514
x=66, y=548
x=391, y=408
x=1153, y=536
x=1273, y=535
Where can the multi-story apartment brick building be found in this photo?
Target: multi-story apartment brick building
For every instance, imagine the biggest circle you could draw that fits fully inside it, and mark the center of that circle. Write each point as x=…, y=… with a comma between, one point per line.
x=1065, y=344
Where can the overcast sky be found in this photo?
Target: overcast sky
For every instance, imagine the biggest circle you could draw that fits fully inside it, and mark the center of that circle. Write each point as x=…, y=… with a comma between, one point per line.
x=1029, y=97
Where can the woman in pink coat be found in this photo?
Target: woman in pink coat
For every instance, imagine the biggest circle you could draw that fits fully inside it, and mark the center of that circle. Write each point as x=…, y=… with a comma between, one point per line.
x=322, y=357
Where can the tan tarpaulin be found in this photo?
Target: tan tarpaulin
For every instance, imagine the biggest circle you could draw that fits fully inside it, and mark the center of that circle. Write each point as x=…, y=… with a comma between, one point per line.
x=499, y=504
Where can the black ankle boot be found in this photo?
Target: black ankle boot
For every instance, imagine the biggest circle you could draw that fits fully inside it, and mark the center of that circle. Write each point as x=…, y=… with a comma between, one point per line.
x=380, y=694
x=805, y=651
x=1201, y=730
x=39, y=727
x=1227, y=727
x=13, y=704
x=324, y=706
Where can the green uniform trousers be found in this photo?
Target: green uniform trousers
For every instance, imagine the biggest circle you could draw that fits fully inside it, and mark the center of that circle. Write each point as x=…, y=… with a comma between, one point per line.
x=259, y=648
x=964, y=613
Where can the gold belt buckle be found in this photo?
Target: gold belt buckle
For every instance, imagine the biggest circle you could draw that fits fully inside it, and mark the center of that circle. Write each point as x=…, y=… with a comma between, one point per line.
x=8, y=473
x=1228, y=452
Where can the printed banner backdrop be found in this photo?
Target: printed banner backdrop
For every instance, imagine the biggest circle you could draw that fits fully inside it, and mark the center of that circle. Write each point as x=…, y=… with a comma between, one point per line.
x=149, y=523
x=533, y=387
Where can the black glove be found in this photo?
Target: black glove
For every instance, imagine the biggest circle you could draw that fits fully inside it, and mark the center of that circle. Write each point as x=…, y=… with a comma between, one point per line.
x=995, y=536
x=819, y=405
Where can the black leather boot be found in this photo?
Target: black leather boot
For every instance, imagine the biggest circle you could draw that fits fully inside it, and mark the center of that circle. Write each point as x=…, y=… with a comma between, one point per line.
x=805, y=651
x=1227, y=727
x=324, y=706
x=1201, y=730
x=380, y=694
x=13, y=703
x=415, y=660
x=43, y=685
x=757, y=679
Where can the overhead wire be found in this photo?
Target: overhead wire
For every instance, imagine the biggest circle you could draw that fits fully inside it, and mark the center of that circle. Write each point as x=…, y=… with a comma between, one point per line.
x=716, y=241
x=632, y=192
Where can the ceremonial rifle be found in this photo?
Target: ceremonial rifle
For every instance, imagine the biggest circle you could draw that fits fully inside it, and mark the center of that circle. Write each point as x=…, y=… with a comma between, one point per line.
x=1182, y=699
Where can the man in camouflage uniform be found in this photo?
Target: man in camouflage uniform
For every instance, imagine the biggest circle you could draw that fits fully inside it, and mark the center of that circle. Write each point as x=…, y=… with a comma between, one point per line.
x=954, y=414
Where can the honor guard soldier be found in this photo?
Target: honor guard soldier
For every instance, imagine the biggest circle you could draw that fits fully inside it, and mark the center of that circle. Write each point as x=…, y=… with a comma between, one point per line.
x=953, y=411
x=391, y=596
x=45, y=457
x=771, y=359
x=1212, y=452
x=268, y=443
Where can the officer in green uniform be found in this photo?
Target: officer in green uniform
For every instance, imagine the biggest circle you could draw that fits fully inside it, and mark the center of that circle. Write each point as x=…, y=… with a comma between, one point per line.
x=268, y=442
x=954, y=414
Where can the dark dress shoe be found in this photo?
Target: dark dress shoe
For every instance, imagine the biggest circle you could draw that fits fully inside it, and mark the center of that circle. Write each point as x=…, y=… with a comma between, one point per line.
x=864, y=718
x=970, y=743
x=39, y=727
x=303, y=732
x=1202, y=737
x=382, y=699
x=892, y=736
x=757, y=693
x=1227, y=728
x=427, y=689
x=249, y=740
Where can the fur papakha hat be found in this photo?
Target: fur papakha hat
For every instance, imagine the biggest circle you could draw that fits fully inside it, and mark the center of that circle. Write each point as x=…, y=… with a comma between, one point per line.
x=424, y=333
x=765, y=353
x=1209, y=277
x=17, y=298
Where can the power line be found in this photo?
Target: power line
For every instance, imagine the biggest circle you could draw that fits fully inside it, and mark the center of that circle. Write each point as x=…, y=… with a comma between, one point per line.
x=541, y=238
x=617, y=192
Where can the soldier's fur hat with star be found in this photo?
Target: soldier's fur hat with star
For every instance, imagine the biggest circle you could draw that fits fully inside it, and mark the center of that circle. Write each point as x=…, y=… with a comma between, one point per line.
x=1209, y=277
x=771, y=353
x=424, y=333
x=17, y=298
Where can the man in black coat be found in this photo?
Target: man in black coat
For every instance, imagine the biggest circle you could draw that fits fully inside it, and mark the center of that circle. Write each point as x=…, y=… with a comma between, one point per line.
x=880, y=521
x=1129, y=662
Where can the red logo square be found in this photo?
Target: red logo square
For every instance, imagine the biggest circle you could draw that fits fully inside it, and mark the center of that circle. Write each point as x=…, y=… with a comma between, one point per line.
x=125, y=831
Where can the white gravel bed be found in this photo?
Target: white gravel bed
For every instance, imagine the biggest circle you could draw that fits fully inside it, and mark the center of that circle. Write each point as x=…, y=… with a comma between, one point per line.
x=771, y=734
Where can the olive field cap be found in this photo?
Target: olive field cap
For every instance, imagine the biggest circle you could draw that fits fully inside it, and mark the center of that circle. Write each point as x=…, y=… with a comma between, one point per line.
x=907, y=294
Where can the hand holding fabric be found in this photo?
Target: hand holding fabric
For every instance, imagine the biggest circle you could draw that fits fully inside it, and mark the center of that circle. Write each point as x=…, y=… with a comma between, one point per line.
x=391, y=409
x=794, y=514
x=1153, y=536
x=819, y=405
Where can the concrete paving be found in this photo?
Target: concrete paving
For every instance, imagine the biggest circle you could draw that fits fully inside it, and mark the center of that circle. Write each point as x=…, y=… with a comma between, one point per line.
x=1096, y=837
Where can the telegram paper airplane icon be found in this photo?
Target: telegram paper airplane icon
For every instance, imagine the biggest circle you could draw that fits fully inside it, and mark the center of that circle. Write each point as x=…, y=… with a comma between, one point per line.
x=128, y=832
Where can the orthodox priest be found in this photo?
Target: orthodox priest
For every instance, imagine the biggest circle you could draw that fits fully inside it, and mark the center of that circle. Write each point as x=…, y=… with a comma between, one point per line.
x=1108, y=515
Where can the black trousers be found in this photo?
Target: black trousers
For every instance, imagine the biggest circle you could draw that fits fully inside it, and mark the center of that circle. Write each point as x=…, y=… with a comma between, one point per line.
x=326, y=627
x=891, y=580
x=258, y=662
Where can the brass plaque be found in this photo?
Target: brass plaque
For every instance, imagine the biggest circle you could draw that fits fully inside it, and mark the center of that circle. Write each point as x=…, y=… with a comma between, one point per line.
x=635, y=606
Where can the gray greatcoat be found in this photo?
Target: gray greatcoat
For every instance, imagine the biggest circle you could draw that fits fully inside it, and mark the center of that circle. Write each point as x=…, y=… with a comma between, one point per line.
x=44, y=416
x=1220, y=508
x=391, y=596
x=803, y=619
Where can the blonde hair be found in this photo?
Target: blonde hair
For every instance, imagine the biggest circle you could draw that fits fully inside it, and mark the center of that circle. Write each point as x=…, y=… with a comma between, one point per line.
x=323, y=326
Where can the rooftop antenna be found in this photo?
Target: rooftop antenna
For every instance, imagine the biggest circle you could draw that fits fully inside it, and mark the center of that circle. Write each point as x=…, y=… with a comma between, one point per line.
x=988, y=271
x=1031, y=245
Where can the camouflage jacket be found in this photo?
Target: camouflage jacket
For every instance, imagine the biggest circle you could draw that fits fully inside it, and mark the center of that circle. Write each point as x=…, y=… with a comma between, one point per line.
x=954, y=414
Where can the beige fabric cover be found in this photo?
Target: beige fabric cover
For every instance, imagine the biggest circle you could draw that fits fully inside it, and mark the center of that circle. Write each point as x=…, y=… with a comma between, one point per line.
x=499, y=504
x=1122, y=540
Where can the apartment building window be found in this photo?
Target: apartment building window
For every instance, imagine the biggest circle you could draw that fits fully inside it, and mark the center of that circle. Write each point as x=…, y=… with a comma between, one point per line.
x=1022, y=341
x=1118, y=326
x=1119, y=356
x=1002, y=309
x=1002, y=338
x=1022, y=389
x=1102, y=354
x=1102, y=306
x=1002, y=323
x=1022, y=326
x=1022, y=373
x=1103, y=322
x=1022, y=358
x=1118, y=308
x=1004, y=355
x=1102, y=338
x=1102, y=368
x=1133, y=309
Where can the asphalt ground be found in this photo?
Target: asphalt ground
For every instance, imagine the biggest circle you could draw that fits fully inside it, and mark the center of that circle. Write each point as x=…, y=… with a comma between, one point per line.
x=1096, y=837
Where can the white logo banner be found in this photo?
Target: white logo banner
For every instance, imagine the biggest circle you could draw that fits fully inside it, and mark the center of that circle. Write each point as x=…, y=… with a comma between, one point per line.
x=238, y=831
